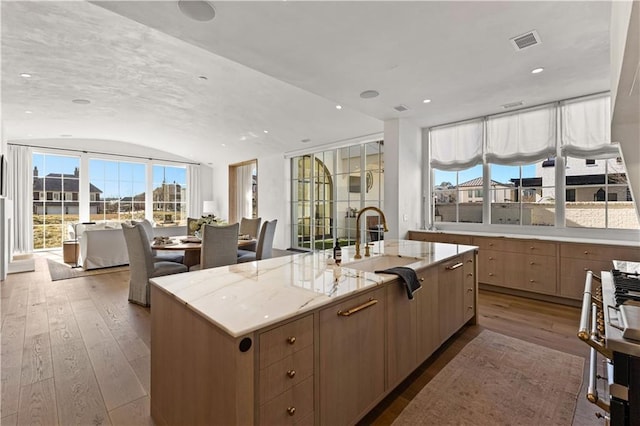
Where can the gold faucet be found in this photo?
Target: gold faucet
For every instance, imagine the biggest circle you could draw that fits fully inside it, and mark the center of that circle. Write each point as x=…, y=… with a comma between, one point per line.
x=384, y=223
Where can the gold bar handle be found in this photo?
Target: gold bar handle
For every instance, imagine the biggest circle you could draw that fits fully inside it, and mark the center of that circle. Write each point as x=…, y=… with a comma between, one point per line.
x=456, y=266
x=583, y=330
x=358, y=308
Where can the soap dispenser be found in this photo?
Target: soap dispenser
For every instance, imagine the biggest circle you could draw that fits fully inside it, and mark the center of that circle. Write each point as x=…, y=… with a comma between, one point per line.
x=337, y=253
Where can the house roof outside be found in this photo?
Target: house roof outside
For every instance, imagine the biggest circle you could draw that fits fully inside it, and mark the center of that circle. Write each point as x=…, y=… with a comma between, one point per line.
x=478, y=182
x=54, y=183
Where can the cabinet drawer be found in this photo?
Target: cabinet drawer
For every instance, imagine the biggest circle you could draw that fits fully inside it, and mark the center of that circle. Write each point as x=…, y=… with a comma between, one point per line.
x=290, y=408
x=469, y=304
x=599, y=252
x=490, y=267
x=285, y=373
x=283, y=341
x=489, y=243
x=539, y=274
x=573, y=273
x=535, y=247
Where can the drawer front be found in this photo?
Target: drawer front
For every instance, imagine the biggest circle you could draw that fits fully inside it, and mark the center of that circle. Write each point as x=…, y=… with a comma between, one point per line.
x=573, y=274
x=599, y=252
x=285, y=373
x=436, y=237
x=488, y=243
x=539, y=274
x=291, y=407
x=536, y=247
x=283, y=341
x=490, y=267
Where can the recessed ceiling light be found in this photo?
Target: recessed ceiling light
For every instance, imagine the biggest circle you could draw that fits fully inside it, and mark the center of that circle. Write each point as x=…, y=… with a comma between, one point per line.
x=197, y=10
x=306, y=140
x=513, y=105
x=426, y=101
x=537, y=70
x=338, y=106
x=223, y=144
x=81, y=101
x=29, y=134
x=25, y=75
x=368, y=94
x=202, y=77
x=66, y=136
x=265, y=131
x=28, y=112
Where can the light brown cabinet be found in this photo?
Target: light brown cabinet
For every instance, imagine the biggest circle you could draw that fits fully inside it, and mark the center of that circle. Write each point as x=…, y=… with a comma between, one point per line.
x=328, y=366
x=549, y=268
x=352, y=357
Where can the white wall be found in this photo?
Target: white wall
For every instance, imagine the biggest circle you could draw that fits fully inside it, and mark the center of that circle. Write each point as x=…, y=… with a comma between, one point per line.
x=403, y=177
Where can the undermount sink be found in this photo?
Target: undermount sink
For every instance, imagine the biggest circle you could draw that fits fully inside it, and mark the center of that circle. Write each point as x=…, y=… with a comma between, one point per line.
x=380, y=262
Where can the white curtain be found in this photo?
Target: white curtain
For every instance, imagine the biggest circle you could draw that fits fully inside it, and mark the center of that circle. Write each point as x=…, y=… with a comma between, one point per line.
x=20, y=190
x=194, y=186
x=523, y=137
x=244, y=186
x=586, y=129
x=456, y=147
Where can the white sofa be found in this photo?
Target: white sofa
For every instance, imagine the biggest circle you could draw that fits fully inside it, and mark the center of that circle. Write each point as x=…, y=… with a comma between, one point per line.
x=102, y=245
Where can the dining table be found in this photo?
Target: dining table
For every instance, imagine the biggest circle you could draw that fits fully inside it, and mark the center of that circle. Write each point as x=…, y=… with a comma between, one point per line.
x=191, y=246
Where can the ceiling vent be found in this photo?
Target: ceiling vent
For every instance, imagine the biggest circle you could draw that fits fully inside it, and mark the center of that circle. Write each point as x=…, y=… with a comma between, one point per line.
x=513, y=105
x=525, y=40
x=401, y=108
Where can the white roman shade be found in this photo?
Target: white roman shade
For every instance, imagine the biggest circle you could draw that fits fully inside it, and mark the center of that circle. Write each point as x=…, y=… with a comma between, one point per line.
x=586, y=128
x=523, y=137
x=457, y=146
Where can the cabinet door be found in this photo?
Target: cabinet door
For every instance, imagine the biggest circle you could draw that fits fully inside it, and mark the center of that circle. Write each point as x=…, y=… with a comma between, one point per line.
x=401, y=331
x=451, y=297
x=352, y=354
x=428, y=316
x=573, y=273
x=491, y=267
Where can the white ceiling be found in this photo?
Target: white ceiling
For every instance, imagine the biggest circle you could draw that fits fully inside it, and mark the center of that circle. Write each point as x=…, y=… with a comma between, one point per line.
x=283, y=66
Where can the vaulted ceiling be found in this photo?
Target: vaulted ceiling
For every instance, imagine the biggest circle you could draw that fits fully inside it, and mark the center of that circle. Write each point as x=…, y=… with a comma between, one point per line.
x=263, y=76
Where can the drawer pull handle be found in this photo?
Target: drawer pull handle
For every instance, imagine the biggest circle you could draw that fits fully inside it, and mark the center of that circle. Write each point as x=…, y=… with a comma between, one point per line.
x=291, y=411
x=291, y=340
x=470, y=261
x=358, y=308
x=490, y=258
x=469, y=307
x=469, y=290
x=422, y=279
x=532, y=281
x=532, y=263
x=469, y=274
x=291, y=373
x=586, y=252
x=490, y=244
x=490, y=274
x=456, y=266
x=532, y=248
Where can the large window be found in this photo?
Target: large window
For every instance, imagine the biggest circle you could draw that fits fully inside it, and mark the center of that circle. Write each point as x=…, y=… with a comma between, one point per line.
x=169, y=195
x=537, y=169
x=55, y=198
x=329, y=188
x=116, y=190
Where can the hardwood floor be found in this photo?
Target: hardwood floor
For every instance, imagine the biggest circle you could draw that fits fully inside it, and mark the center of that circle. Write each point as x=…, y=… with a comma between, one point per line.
x=77, y=352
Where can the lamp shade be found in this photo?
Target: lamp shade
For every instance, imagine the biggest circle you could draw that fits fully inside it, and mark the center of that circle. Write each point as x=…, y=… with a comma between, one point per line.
x=208, y=207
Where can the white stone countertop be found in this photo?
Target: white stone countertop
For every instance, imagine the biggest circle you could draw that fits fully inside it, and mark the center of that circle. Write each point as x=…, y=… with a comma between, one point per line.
x=245, y=297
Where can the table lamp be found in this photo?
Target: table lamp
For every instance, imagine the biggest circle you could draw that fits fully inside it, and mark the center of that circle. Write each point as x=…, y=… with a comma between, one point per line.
x=208, y=207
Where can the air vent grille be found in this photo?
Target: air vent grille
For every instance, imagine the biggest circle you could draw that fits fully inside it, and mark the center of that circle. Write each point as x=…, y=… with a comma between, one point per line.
x=513, y=105
x=401, y=108
x=526, y=40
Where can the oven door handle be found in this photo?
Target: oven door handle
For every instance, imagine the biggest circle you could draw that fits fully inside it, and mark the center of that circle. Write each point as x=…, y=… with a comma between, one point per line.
x=590, y=337
x=592, y=390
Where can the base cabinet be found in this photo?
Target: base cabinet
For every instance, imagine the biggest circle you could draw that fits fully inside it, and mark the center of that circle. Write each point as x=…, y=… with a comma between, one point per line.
x=329, y=366
x=351, y=358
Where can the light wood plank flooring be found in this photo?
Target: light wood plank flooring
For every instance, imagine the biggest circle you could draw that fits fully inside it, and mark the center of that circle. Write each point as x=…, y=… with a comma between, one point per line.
x=76, y=352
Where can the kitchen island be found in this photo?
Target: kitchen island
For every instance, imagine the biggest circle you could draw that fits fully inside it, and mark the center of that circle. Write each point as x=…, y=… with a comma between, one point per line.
x=294, y=340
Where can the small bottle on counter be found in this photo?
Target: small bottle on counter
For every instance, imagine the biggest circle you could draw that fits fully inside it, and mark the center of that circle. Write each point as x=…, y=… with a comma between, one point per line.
x=337, y=253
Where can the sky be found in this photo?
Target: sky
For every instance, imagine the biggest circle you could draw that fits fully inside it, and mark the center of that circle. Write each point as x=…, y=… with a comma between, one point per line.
x=115, y=179
x=502, y=174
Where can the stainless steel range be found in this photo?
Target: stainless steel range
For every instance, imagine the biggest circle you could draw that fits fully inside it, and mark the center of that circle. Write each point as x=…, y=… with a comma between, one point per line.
x=610, y=324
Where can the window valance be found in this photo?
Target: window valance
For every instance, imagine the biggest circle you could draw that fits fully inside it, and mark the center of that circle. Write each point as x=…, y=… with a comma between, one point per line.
x=458, y=146
x=522, y=137
x=586, y=128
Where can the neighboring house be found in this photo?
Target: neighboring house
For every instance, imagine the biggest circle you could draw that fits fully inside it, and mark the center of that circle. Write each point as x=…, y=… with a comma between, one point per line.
x=58, y=193
x=471, y=191
x=165, y=194
x=585, y=179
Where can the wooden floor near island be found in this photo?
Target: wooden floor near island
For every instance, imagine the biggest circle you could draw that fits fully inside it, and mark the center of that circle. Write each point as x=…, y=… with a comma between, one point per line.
x=76, y=352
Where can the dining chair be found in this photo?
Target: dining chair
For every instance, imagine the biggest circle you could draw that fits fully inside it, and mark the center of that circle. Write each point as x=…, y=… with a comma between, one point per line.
x=264, y=250
x=250, y=227
x=142, y=265
x=219, y=246
x=167, y=257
